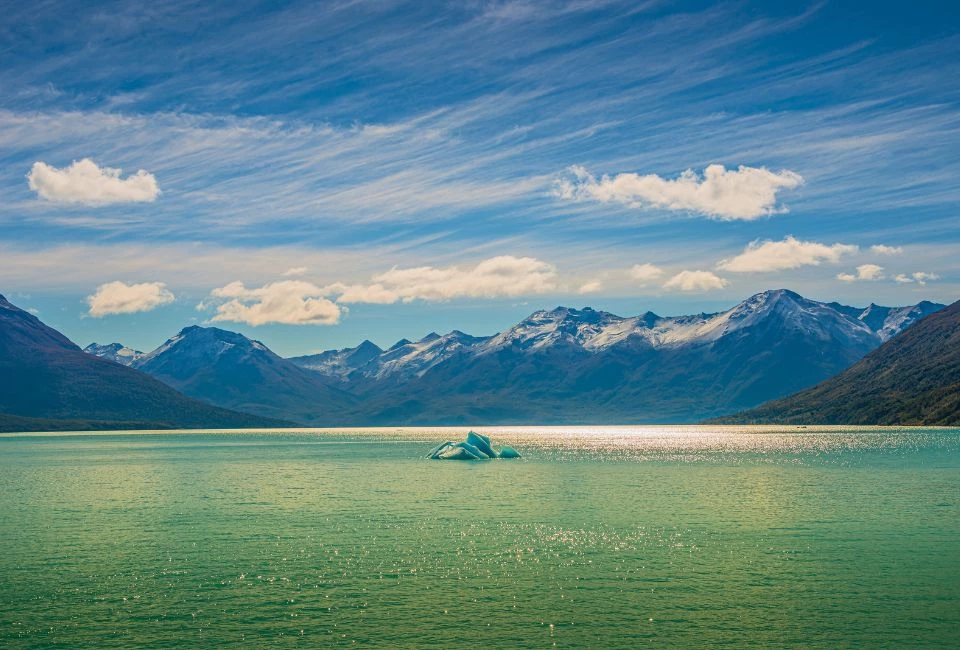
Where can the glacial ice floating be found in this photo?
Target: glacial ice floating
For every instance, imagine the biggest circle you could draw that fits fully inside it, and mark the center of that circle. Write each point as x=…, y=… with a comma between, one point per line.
x=509, y=452
x=482, y=443
x=461, y=451
x=436, y=451
x=475, y=447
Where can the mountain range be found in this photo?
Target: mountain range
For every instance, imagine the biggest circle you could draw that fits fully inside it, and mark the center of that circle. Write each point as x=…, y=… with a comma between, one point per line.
x=47, y=380
x=562, y=365
x=913, y=378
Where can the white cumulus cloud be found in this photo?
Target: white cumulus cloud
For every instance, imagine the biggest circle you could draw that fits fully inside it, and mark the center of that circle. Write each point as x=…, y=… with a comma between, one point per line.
x=296, y=302
x=291, y=302
x=645, y=273
x=790, y=253
x=502, y=276
x=85, y=183
x=744, y=193
x=920, y=277
x=297, y=270
x=122, y=298
x=868, y=272
x=695, y=281
x=880, y=249
x=590, y=287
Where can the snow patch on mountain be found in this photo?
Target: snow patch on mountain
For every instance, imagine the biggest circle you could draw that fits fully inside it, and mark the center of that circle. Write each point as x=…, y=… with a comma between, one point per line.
x=415, y=359
x=116, y=352
x=340, y=363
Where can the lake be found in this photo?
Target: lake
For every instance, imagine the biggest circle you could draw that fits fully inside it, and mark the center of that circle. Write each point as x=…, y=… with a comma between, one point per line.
x=598, y=537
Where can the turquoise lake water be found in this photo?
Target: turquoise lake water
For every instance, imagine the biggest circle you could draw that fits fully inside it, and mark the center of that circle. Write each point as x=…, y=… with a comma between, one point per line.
x=605, y=537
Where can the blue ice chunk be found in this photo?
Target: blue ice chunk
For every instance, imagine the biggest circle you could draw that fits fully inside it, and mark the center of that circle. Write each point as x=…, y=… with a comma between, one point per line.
x=473, y=450
x=436, y=451
x=461, y=451
x=482, y=443
x=509, y=452
x=476, y=447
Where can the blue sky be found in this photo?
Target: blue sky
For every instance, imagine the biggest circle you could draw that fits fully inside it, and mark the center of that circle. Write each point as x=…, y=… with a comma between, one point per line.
x=316, y=174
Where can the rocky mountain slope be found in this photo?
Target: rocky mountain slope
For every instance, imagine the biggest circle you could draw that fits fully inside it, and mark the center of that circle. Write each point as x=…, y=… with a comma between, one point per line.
x=913, y=378
x=46, y=378
x=230, y=370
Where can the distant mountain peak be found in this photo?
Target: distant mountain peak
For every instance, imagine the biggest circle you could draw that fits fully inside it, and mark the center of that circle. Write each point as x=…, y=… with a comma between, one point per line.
x=909, y=380
x=116, y=352
x=363, y=353
x=773, y=295
x=585, y=314
x=200, y=333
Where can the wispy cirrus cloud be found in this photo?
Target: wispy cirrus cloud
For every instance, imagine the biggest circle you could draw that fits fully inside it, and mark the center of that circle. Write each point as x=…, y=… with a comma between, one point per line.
x=789, y=253
x=745, y=193
x=122, y=298
x=86, y=183
x=452, y=136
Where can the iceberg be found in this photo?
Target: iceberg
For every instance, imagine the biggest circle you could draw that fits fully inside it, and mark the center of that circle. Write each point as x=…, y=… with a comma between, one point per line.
x=482, y=443
x=509, y=452
x=475, y=447
x=461, y=451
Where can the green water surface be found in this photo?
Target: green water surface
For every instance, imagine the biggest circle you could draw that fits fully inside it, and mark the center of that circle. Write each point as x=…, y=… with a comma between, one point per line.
x=596, y=538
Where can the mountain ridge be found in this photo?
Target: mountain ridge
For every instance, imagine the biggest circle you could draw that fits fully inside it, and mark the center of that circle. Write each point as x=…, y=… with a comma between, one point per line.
x=595, y=329
x=913, y=378
x=561, y=365
x=228, y=369
x=48, y=379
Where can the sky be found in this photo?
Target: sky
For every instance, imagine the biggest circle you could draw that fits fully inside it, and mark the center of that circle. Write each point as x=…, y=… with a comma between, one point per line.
x=314, y=174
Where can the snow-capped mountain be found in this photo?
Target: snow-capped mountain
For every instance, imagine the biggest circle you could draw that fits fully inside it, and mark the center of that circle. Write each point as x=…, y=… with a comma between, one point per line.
x=574, y=365
x=116, y=352
x=596, y=331
x=415, y=359
x=559, y=365
x=224, y=367
x=560, y=326
x=917, y=373
x=887, y=322
x=340, y=363
x=404, y=358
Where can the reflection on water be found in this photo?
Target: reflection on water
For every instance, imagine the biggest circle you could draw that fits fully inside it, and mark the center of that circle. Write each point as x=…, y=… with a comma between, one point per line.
x=606, y=536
